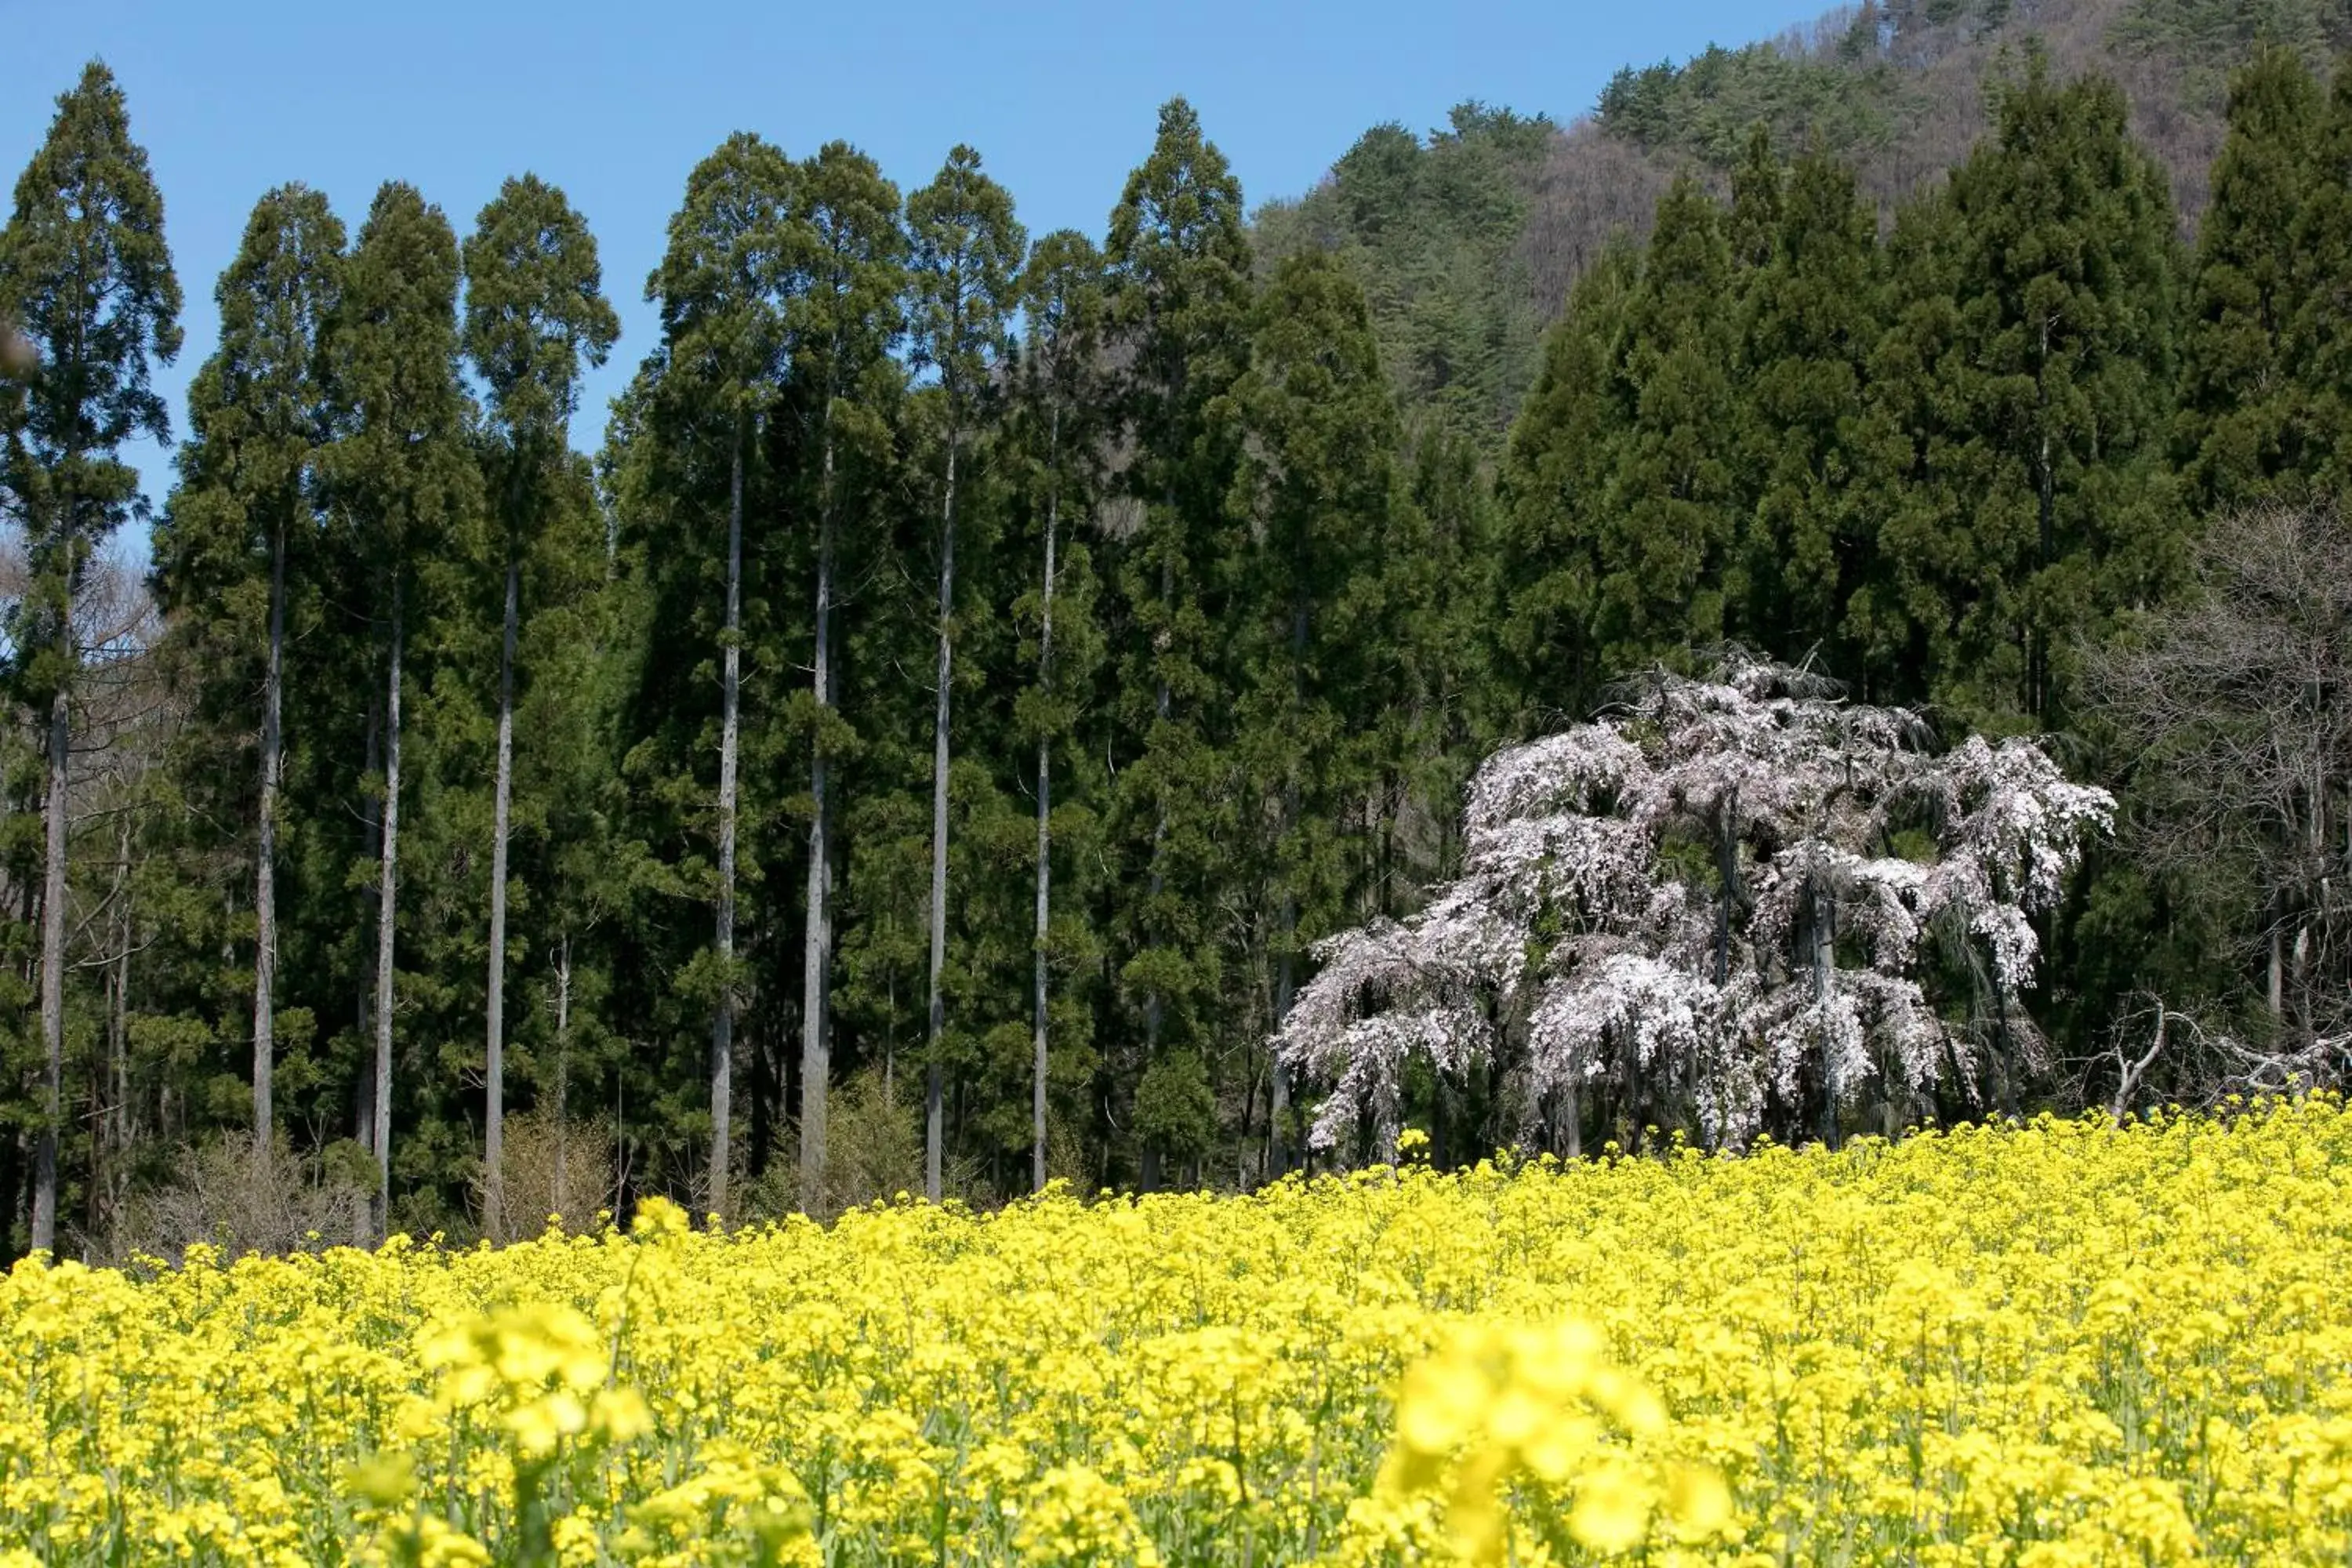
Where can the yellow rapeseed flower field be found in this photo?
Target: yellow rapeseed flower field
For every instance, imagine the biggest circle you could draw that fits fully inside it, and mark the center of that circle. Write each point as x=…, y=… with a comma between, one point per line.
x=2062, y=1344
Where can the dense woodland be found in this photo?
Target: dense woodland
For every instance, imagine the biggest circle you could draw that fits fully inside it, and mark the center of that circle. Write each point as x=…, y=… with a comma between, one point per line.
x=923, y=746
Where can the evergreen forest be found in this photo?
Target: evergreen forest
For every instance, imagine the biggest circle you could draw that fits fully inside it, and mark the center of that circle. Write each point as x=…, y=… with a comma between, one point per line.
x=922, y=747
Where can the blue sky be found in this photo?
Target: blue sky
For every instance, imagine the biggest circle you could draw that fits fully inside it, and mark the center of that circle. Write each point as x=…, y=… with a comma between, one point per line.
x=615, y=101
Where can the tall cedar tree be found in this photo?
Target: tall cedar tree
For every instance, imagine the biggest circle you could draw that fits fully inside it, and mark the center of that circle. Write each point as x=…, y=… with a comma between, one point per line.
x=1179, y=262
x=587, y=868
x=1060, y=427
x=1670, y=516
x=843, y=322
x=2320, y=345
x=535, y=308
x=2021, y=399
x=1429, y=662
x=1314, y=491
x=405, y=480
x=1551, y=495
x=87, y=277
x=247, y=510
x=1810, y=319
x=724, y=286
x=2245, y=426
x=966, y=260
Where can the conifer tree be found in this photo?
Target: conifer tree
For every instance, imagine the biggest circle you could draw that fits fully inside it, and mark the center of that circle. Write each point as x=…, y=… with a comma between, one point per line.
x=2021, y=400
x=723, y=286
x=1758, y=202
x=1428, y=654
x=402, y=476
x=1062, y=301
x=2244, y=422
x=1179, y=263
x=1314, y=488
x=2319, y=283
x=1811, y=319
x=535, y=308
x=966, y=255
x=1667, y=531
x=1551, y=496
x=249, y=503
x=842, y=322
x=86, y=276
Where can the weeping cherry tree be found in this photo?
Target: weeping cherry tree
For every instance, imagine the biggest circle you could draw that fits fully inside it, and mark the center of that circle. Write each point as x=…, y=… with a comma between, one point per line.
x=1736, y=900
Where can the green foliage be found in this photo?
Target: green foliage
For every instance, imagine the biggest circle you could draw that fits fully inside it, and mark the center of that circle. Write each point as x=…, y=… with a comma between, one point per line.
x=1431, y=229
x=2211, y=38
x=1706, y=107
x=85, y=276
x=2245, y=424
x=1550, y=493
x=1810, y=314
x=535, y=308
x=1669, y=514
x=1178, y=265
x=2027, y=380
x=2319, y=339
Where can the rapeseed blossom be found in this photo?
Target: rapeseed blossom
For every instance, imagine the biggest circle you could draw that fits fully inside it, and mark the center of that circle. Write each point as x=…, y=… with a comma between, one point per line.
x=2062, y=1344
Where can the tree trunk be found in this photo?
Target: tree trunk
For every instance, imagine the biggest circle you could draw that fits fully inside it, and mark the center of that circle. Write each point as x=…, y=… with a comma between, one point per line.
x=1286, y=969
x=108, y=1075
x=265, y=869
x=1044, y=823
x=1160, y=707
x=53, y=948
x=118, y=1048
x=817, y=940
x=2008, y=1046
x=933, y=1128
x=2277, y=977
x=730, y=689
x=371, y=817
x=387, y=889
x=1824, y=966
x=562, y=1078
x=494, y=1110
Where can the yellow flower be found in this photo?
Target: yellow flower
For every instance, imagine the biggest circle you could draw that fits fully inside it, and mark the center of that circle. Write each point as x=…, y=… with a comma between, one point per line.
x=2061, y=1343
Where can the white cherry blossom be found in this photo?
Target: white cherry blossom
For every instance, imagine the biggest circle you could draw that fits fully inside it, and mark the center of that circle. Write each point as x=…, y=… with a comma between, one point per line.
x=1718, y=888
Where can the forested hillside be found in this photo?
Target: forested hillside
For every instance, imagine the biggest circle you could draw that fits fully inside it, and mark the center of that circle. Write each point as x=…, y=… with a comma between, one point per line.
x=1469, y=239
x=924, y=747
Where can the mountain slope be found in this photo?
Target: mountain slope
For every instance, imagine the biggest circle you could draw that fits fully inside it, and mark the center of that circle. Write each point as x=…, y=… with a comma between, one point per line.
x=1468, y=240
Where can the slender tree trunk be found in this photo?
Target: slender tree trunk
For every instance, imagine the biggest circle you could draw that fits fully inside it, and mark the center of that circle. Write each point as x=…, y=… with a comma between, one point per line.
x=817, y=941
x=494, y=1110
x=53, y=945
x=387, y=890
x=1161, y=708
x=1044, y=822
x=108, y=1075
x=1286, y=969
x=119, y=1047
x=265, y=869
x=371, y=818
x=731, y=691
x=1824, y=966
x=2007, y=1045
x=562, y=1078
x=371, y=840
x=2277, y=977
x=933, y=1127
x=2046, y=512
